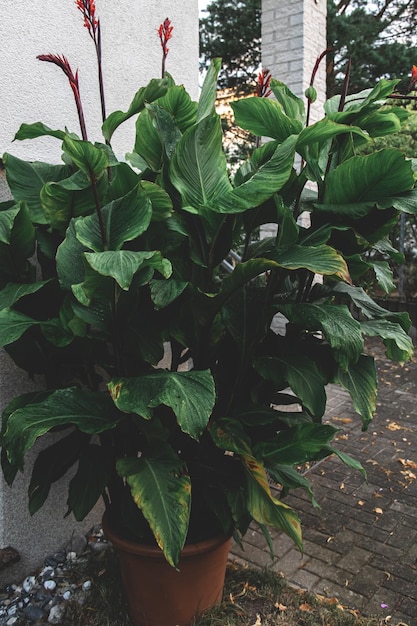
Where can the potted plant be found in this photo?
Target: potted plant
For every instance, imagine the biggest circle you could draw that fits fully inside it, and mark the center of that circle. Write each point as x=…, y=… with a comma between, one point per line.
x=177, y=399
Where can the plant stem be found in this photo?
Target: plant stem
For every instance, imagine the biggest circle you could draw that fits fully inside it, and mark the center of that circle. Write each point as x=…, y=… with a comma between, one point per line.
x=98, y=210
x=97, y=43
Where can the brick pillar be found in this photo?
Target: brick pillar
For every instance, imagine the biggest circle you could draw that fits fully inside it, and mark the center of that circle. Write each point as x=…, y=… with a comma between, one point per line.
x=293, y=36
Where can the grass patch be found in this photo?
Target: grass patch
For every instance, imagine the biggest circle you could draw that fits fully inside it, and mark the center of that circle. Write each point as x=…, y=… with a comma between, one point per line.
x=251, y=598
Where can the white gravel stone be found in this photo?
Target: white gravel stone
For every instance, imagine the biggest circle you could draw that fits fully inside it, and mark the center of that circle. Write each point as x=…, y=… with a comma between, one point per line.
x=56, y=614
x=49, y=585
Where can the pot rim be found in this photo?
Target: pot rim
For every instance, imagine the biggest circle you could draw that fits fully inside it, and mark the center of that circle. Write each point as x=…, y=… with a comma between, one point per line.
x=154, y=552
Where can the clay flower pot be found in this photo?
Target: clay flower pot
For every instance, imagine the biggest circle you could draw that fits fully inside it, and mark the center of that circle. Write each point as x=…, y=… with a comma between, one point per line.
x=159, y=595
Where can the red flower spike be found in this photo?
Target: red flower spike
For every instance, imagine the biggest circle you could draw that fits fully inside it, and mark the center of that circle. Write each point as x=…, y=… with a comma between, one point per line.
x=414, y=73
x=62, y=62
x=165, y=33
x=263, y=85
x=88, y=9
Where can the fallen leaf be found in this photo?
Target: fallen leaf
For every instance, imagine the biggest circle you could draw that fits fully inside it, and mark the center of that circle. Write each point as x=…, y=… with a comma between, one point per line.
x=341, y=486
x=280, y=607
x=343, y=420
x=258, y=620
x=378, y=511
x=394, y=426
x=409, y=475
x=407, y=463
x=305, y=607
x=361, y=502
x=372, y=462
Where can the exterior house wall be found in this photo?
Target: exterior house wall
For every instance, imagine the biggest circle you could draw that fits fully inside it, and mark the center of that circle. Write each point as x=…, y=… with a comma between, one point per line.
x=34, y=91
x=293, y=36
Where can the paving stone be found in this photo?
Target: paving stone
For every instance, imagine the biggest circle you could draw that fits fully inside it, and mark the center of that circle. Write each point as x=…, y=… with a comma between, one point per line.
x=305, y=579
x=289, y=564
x=364, y=557
x=355, y=560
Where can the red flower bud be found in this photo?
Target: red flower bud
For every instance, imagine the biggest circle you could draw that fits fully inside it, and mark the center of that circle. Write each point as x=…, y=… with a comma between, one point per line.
x=263, y=85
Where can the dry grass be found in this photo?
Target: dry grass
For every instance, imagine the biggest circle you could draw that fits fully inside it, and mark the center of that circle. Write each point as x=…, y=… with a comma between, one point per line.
x=251, y=598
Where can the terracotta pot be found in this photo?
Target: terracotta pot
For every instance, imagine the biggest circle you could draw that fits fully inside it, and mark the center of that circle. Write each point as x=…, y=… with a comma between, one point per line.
x=159, y=595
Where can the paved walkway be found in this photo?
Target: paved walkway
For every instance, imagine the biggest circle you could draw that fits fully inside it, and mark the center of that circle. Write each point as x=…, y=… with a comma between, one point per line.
x=361, y=545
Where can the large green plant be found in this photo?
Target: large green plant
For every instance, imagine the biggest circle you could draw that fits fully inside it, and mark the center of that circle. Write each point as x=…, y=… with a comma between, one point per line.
x=107, y=266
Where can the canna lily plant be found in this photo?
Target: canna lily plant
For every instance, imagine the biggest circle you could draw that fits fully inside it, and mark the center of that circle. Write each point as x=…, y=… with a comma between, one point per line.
x=137, y=290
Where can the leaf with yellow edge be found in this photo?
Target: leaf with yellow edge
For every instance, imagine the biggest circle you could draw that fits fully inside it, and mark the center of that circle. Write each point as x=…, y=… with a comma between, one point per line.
x=264, y=508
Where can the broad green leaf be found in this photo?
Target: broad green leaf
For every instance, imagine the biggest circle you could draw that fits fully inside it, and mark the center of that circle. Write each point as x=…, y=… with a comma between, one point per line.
x=51, y=465
x=163, y=292
x=69, y=259
x=7, y=219
x=341, y=330
x=12, y=325
x=191, y=395
x=361, y=382
x=318, y=259
x=296, y=445
x=228, y=434
x=264, y=182
x=207, y=100
x=368, y=307
x=324, y=130
x=348, y=460
x=13, y=292
x=95, y=470
x=122, y=265
x=301, y=374
x=162, y=206
x=32, y=131
x=164, y=123
x=265, y=509
x=359, y=102
x=397, y=341
x=265, y=117
x=178, y=102
x=72, y=197
x=369, y=178
x=198, y=166
x=91, y=160
x=26, y=180
x=90, y=412
x=162, y=490
x=384, y=275
x=156, y=88
x=290, y=478
x=124, y=220
x=292, y=105
x=148, y=144
x=9, y=468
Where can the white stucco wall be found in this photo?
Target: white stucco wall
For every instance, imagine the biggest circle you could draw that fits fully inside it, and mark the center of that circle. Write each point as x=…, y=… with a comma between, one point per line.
x=32, y=90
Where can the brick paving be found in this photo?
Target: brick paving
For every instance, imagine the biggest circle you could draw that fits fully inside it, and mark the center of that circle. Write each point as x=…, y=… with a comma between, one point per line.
x=361, y=544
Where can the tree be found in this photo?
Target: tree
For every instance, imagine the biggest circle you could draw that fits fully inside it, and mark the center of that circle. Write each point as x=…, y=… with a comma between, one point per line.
x=378, y=36
x=232, y=30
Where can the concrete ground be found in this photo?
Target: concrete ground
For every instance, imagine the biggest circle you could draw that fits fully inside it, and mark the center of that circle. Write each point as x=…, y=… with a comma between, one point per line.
x=361, y=545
